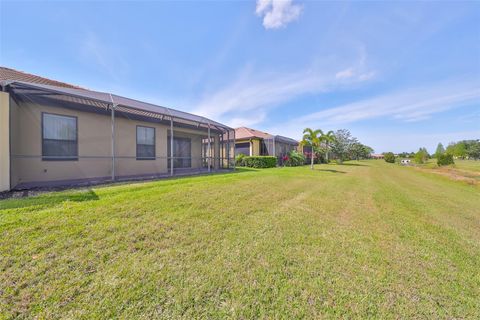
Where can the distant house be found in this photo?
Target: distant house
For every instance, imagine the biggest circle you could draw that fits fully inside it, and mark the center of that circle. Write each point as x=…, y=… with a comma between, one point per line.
x=55, y=133
x=252, y=142
x=377, y=156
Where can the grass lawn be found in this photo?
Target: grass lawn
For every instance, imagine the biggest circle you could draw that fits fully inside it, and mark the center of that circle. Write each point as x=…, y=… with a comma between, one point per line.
x=465, y=170
x=364, y=239
x=468, y=165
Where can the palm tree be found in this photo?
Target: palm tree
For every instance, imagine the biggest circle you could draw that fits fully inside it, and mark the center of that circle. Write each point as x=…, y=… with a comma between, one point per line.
x=311, y=138
x=328, y=137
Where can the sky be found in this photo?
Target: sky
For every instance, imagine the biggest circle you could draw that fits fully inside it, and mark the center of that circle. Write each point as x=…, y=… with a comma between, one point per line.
x=398, y=75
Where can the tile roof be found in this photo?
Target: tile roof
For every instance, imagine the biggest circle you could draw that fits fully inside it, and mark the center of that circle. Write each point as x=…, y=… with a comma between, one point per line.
x=248, y=133
x=24, y=83
x=15, y=75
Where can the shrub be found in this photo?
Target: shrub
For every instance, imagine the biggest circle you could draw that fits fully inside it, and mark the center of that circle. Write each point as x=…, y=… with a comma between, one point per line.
x=294, y=159
x=389, y=157
x=444, y=159
x=260, y=162
x=421, y=156
x=239, y=159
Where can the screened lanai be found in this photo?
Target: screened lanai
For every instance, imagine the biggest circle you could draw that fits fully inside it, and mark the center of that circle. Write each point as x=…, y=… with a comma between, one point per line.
x=279, y=146
x=61, y=135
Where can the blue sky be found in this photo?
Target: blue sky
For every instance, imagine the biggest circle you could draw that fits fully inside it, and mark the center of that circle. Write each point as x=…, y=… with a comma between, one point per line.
x=398, y=75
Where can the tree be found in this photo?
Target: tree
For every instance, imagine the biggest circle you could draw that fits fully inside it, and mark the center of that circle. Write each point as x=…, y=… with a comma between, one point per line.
x=460, y=149
x=421, y=156
x=444, y=160
x=311, y=138
x=474, y=150
x=328, y=138
x=367, y=152
x=342, y=143
x=360, y=151
x=440, y=150
x=389, y=157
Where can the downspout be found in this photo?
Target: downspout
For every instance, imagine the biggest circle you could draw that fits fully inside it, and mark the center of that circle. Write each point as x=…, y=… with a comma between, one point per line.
x=274, y=154
x=10, y=159
x=209, y=150
x=228, y=149
x=113, y=136
x=234, y=149
x=171, y=145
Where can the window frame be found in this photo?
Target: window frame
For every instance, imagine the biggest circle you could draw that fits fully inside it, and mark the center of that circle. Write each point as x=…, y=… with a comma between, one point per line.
x=154, y=143
x=242, y=147
x=53, y=158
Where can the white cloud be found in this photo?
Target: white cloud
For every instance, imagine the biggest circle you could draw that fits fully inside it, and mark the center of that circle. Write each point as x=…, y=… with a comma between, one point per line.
x=97, y=52
x=345, y=74
x=277, y=13
x=252, y=120
x=254, y=91
x=407, y=105
x=258, y=92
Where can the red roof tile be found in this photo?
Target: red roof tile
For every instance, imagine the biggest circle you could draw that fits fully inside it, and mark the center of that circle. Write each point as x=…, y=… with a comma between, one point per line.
x=12, y=74
x=248, y=133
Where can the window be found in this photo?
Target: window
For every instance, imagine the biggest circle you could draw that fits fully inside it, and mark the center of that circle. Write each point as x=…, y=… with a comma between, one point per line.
x=59, y=137
x=182, y=152
x=145, y=143
x=263, y=148
x=242, y=148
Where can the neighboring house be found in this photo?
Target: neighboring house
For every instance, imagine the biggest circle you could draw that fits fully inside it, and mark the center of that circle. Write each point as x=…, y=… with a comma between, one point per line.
x=54, y=133
x=253, y=142
x=377, y=156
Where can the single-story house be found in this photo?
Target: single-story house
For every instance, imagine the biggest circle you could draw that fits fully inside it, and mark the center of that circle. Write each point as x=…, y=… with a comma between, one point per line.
x=55, y=133
x=252, y=142
x=377, y=156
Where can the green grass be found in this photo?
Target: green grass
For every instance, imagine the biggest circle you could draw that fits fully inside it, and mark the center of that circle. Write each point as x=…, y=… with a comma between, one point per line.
x=470, y=165
x=366, y=239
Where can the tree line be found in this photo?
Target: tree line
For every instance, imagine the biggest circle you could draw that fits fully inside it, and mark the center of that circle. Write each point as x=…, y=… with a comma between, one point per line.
x=337, y=145
x=464, y=149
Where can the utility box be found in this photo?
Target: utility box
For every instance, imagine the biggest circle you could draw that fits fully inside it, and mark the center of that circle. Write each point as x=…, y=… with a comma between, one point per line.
x=4, y=141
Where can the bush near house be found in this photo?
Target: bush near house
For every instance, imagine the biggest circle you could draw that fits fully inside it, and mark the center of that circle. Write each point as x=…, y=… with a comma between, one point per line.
x=444, y=159
x=260, y=162
x=294, y=159
x=389, y=157
x=239, y=160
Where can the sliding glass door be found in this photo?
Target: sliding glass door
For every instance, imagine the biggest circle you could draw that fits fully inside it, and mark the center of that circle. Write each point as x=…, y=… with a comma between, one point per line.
x=182, y=152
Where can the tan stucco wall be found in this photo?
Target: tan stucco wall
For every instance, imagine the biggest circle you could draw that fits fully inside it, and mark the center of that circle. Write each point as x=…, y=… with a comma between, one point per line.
x=4, y=141
x=94, y=147
x=255, y=147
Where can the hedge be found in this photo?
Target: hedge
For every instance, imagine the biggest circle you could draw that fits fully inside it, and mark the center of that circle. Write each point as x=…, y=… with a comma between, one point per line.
x=260, y=162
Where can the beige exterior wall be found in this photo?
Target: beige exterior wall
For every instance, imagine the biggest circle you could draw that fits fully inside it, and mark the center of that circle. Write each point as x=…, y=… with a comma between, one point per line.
x=4, y=141
x=94, y=146
x=255, y=147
